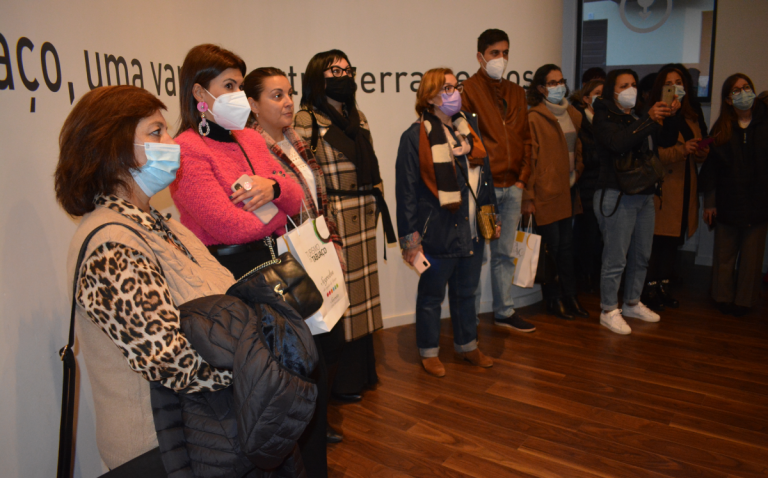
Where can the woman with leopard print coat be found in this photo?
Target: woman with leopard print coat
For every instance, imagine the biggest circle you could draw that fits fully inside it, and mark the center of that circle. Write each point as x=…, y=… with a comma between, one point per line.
x=115, y=154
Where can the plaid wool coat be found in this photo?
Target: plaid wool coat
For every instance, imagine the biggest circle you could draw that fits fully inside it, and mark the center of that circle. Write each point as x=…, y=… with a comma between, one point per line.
x=356, y=222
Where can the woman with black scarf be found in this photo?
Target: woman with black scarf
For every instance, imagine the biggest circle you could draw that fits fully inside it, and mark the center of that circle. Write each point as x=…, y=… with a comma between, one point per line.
x=338, y=135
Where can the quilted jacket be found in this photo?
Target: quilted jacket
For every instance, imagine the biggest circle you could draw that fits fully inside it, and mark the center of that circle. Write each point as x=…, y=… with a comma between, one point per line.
x=250, y=428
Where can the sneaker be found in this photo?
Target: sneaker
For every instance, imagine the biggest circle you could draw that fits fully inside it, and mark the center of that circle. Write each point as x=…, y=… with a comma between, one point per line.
x=615, y=322
x=640, y=311
x=515, y=322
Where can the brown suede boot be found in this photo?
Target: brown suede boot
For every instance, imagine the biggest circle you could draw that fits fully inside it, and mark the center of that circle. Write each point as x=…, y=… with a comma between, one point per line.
x=477, y=358
x=433, y=366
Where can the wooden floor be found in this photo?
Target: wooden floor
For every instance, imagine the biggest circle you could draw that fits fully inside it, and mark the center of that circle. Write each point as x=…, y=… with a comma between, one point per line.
x=687, y=396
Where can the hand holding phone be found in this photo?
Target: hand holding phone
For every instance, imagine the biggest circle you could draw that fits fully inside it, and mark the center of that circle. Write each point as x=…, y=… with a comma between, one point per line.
x=420, y=263
x=704, y=143
x=266, y=212
x=668, y=94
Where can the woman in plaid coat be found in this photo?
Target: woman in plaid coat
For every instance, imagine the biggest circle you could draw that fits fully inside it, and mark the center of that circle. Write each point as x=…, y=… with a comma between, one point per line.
x=339, y=137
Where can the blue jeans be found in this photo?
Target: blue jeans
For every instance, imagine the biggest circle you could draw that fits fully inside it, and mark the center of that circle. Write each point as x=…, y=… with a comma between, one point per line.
x=462, y=275
x=627, y=239
x=508, y=203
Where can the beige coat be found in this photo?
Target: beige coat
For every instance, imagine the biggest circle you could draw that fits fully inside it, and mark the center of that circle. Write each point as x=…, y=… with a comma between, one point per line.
x=669, y=210
x=549, y=185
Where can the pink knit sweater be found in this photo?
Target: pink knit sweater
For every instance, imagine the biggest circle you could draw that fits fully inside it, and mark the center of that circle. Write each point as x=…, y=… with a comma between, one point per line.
x=203, y=185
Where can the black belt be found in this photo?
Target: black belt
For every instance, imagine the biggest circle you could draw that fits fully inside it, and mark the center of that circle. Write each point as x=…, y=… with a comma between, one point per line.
x=381, y=208
x=224, y=250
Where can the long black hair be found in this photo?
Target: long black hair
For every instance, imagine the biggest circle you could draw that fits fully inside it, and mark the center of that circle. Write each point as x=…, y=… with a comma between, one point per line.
x=313, y=83
x=610, y=82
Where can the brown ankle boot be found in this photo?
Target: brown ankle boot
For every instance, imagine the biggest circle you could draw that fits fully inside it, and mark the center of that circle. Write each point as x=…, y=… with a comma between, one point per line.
x=433, y=366
x=477, y=358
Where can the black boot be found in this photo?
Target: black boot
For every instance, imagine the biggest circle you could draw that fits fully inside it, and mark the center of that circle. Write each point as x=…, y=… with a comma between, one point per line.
x=666, y=298
x=651, y=298
x=332, y=436
x=557, y=308
x=573, y=306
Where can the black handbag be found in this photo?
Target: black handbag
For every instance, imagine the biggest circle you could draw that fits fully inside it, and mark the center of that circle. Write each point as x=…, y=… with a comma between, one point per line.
x=289, y=280
x=636, y=171
x=147, y=465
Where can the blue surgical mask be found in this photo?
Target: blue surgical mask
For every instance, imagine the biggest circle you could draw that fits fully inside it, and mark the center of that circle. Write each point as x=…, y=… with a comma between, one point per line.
x=159, y=171
x=744, y=100
x=555, y=94
x=680, y=92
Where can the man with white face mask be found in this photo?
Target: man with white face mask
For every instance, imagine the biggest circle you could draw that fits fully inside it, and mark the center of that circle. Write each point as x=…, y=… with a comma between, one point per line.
x=503, y=118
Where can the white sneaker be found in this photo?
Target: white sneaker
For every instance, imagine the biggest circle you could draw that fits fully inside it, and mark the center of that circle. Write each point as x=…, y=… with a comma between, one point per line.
x=640, y=311
x=615, y=322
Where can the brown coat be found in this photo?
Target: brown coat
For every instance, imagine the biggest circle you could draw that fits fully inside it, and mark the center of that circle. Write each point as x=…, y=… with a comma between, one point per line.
x=506, y=136
x=549, y=184
x=669, y=211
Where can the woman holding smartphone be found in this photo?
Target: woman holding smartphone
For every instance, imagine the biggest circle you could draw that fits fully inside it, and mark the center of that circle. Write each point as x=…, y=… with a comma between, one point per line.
x=436, y=214
x=677, y=209
x=217, y=152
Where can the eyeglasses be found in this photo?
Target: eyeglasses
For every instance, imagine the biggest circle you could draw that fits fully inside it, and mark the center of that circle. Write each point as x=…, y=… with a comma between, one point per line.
x=735, y=91
x=338, y=71
x=449, y=89
x=554, y=83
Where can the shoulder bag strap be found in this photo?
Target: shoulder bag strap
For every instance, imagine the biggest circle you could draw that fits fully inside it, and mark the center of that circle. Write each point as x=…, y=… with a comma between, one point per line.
x=315, y=131
x=66, y=429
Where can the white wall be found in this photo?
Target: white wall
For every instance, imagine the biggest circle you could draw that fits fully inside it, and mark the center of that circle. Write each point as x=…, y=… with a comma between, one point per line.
x=394, y=36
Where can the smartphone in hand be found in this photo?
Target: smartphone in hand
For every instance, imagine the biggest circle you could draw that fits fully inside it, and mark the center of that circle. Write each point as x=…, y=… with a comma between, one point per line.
x=420, y=263
x=705, y=142
x=266, y=212
x=668, y=94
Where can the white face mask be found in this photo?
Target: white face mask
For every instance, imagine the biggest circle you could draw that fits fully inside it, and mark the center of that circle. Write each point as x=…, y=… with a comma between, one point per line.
x=628, y=97
x=231, y=110
x=495, y=68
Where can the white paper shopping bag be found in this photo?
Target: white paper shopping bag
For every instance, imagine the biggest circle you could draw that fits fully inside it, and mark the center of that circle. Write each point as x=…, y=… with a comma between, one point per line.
x=310, y=244
x=526, y=256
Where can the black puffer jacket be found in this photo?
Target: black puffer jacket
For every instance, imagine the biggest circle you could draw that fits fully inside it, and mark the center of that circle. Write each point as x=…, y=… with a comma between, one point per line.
x=734, y=177
x=250, y=428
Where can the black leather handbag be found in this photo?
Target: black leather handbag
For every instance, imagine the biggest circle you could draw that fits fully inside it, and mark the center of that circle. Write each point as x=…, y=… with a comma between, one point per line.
x=636, y=171
x=289, y=280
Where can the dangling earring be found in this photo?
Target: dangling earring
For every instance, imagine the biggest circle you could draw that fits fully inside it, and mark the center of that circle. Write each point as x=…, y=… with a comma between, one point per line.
x=203, y=128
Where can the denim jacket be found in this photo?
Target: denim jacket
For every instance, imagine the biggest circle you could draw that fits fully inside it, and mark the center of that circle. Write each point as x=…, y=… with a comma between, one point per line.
x=420, y=219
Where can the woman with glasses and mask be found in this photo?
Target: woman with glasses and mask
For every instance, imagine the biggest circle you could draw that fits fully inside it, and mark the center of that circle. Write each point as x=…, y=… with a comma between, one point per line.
x=270, y=96
x=734, y=180
x=627, y=220
x=436, y=214
x=555, y=167
x=677, y=209
x=217, y=150
x=587, y=240
x=338, y=135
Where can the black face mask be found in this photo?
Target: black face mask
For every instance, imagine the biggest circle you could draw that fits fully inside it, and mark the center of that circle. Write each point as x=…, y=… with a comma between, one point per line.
x=341, y=89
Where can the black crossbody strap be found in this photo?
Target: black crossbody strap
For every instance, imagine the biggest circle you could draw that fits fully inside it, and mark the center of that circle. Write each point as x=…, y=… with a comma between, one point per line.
x=616, y=208
x=66, y=429
x=315, y=132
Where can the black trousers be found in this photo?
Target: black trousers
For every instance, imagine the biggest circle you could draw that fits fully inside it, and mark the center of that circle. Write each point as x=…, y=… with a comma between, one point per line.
x=558, y=236
x=312, y=442
x=587, y=243
x=357, y=368
x=661, y=265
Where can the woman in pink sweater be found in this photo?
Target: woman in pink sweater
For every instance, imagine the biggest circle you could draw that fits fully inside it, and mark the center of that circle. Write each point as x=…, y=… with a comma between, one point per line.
x=216, y=151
